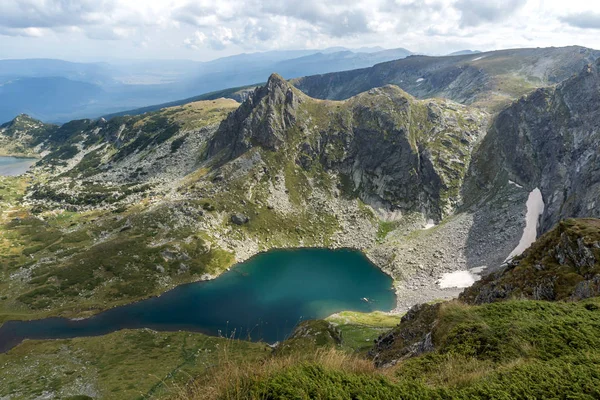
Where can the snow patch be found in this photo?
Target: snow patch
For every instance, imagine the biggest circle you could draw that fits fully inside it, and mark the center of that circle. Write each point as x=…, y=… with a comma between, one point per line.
x=430, y=224
x=458, y=279
x=535, y=208
x=478, y=58
x=420, y=80
x=515, y=183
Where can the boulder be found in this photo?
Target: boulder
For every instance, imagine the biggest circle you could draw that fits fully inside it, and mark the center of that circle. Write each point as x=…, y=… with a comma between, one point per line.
x=239, y=219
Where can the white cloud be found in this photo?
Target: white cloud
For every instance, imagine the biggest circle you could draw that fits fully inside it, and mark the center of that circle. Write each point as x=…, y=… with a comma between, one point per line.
x=195, y=42
x=208, y=28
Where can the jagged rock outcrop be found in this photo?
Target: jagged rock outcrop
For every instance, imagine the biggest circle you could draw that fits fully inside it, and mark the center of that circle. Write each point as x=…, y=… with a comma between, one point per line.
x=261, y=120
x=412, y=337
x=392, y=151
x=563, y=264
x=551, y=140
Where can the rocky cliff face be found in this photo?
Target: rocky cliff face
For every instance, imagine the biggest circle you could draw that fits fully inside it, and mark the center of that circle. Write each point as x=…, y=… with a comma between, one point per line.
x=262, y=120
x=551, y=140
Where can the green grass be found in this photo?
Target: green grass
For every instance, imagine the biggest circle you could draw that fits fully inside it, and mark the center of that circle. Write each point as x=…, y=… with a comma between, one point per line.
x=515, y=349
x=358, y=330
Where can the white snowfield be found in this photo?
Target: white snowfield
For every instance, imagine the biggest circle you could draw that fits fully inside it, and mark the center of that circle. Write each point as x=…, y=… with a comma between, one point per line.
x=535, y=208
x=420, y=80
x=459, y=279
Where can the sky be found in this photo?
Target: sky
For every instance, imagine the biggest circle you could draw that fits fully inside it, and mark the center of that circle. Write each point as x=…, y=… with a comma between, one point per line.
x=104, y=30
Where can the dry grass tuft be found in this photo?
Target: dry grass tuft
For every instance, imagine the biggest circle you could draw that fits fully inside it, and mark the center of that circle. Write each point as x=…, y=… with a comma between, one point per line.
x=232, y=379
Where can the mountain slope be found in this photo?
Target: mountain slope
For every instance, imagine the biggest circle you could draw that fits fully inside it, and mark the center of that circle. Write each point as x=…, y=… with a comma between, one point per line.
x=563, y=264
x=382, y=172
x=490, y=80
x=22, y=135
x=397, y=153
x=549, y=140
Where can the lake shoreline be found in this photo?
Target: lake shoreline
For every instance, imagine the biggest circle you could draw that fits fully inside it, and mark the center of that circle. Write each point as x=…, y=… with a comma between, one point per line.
x=16, y=165
x=263, y=300
x=74, y=314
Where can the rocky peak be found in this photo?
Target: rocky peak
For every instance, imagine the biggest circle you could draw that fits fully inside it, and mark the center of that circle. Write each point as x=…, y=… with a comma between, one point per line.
x=20, y=120
x=261, y=120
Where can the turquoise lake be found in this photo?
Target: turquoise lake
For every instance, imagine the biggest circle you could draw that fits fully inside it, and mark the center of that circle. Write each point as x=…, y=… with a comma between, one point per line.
x=260, y=299
x=13, y=166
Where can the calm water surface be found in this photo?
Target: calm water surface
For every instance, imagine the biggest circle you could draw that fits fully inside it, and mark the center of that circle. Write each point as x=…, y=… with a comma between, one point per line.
x=260, y=299
x=13, y=166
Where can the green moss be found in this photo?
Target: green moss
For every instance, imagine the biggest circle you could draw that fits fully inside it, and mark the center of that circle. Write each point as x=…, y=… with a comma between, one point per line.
x=385, y=227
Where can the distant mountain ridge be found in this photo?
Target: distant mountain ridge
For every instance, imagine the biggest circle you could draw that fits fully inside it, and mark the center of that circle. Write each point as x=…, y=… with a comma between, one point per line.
x=490, y=80
x=88, y=90
x=463, y=52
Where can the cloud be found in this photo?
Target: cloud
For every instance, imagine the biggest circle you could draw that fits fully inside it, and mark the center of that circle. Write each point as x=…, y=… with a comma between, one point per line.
x=338, y=18
x=478, y=12
x=583, y=20
x=107, y=33
x=96, y=19
x=200, y=15
x=171, y=28
x=195, y=42
x=23, y=32
x=23, y=14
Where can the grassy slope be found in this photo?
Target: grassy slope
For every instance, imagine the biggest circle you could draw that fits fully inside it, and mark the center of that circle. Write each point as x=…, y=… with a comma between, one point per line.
x=517, y=349
x=358, y=330
x=58, y=259
x=123, y=365
x=231, y=93
x=132, y=364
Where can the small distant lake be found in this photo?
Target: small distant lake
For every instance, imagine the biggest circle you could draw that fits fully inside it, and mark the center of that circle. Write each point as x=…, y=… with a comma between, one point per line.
x=260, y=299
x=13, y=166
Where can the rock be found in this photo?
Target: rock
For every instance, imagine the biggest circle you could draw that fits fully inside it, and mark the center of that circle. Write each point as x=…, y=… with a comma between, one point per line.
x=218, y=178
x=239, y=219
